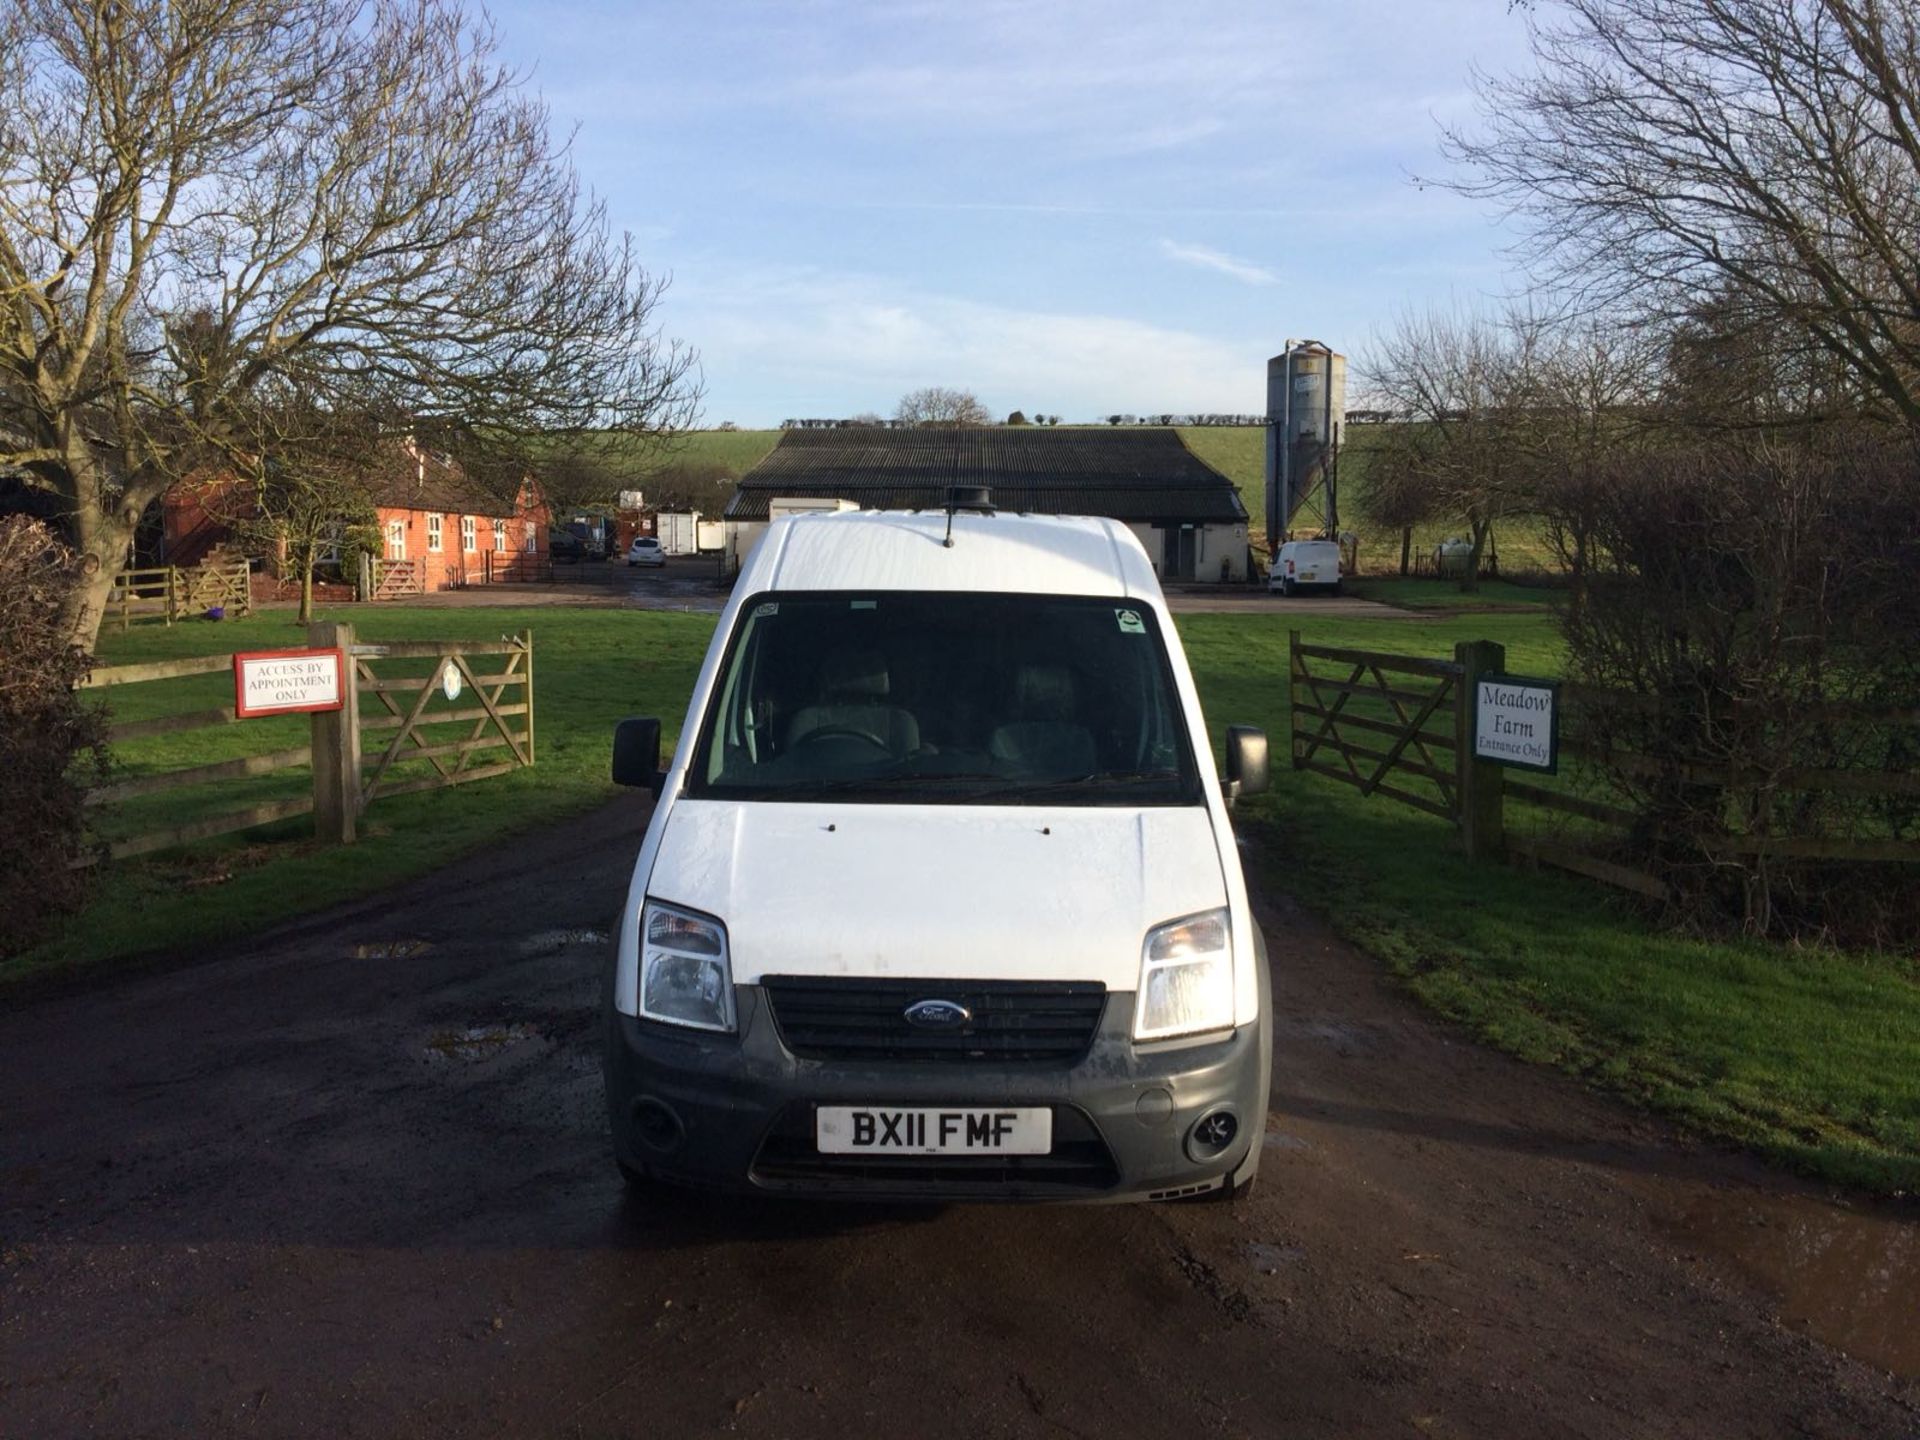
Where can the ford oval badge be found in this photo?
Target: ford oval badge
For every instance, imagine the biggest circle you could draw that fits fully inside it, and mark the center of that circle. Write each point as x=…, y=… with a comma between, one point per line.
x=937, y=1014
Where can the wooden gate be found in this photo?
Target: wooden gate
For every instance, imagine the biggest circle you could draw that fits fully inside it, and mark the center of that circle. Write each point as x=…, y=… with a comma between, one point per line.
x=446, y=717
x=1399, y=726
x=1362, y=717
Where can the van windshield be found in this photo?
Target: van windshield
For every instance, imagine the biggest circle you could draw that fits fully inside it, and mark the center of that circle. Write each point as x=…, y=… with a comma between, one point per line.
x=908, y=698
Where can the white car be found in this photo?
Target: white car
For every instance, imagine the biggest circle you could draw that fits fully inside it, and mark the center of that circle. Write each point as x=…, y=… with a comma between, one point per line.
x=940, y=898
x=1306, y=565
x=646, y=551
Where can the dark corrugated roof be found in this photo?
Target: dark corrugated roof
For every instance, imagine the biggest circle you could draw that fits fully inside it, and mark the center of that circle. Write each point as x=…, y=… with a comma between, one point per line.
x=1142, y=475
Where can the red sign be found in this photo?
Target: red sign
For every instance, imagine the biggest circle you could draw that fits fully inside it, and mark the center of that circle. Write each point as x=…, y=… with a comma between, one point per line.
x=287, y=682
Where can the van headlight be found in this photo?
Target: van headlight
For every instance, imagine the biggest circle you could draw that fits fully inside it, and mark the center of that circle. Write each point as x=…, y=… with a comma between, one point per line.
x=1186, y=978
x=685, y=978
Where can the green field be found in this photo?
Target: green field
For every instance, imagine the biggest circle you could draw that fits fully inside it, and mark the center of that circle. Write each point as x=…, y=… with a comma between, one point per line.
x=1239, y=452
x=1812, y=1058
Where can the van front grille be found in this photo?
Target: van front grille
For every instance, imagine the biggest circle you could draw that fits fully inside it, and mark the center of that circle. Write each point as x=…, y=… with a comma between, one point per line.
x=835, y=1018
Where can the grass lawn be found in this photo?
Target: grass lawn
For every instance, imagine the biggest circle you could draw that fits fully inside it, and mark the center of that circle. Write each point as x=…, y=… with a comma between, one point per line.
x=1812, y=1058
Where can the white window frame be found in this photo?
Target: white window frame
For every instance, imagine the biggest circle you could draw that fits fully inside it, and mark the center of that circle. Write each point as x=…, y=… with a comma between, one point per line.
x=469, y=534
x=499, y=537
x=434, y=546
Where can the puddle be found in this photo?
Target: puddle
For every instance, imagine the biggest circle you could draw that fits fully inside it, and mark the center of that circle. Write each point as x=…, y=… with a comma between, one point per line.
x=391, y=949
x=1268, y=1259
x=1851, y=1279
x=476, y=1042
x=548, y=941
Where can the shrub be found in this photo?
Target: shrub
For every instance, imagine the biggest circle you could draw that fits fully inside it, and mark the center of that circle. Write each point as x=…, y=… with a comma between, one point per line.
x=51, y=742
x=1750, y=614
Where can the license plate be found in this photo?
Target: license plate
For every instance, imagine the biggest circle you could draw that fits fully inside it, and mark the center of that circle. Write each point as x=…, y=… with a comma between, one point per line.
x=877, y=1130
x=1306, y=574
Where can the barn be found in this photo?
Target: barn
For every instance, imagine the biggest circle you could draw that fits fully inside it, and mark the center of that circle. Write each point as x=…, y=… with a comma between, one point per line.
x=1188, y=515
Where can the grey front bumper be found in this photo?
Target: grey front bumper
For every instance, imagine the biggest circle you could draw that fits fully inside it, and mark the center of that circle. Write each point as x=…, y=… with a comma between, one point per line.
x=737, y=1112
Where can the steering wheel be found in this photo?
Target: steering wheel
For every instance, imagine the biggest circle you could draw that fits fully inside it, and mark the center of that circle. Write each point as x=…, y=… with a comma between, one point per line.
x=843, y=732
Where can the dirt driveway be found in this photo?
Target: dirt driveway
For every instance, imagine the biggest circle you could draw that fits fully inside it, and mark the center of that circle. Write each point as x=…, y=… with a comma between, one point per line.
x=350, y=1180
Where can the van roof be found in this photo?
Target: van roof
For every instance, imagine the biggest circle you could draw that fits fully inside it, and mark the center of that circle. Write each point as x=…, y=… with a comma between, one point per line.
x=904, y=550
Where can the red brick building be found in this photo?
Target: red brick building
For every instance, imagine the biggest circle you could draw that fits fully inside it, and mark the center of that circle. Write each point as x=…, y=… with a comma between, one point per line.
x=438, y=525
x=440, y=522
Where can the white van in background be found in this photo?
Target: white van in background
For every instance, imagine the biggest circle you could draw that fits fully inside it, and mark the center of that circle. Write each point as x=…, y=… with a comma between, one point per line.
x=1306, y=565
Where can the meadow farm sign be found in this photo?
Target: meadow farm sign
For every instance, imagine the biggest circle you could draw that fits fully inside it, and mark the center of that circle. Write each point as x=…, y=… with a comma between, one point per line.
x=1516, y=721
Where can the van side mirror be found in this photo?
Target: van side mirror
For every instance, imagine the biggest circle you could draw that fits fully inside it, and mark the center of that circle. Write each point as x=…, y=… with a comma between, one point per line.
x=636, y=754
x=1246, y=770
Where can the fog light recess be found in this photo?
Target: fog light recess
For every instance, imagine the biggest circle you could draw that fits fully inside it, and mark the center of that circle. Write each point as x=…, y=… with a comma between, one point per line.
x=1212, y=1134
x=656, y=1126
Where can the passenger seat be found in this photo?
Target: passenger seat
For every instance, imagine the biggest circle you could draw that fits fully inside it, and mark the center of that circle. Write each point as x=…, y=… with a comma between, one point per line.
x=1045, y=741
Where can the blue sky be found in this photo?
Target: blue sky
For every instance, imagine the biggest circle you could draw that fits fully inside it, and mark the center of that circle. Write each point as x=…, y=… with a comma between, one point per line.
x=1074, y=207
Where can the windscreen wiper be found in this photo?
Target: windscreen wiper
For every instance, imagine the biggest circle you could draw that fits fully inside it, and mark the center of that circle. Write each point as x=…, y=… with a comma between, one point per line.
x=1098, y=780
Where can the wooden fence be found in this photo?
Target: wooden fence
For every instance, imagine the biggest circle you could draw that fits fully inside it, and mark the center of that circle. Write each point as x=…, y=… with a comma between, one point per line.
x=173, y=592
x=223, y=823
x=408, y=720
x=1401, y=726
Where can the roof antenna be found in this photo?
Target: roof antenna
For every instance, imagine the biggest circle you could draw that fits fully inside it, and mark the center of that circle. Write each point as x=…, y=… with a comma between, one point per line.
x=976, y=498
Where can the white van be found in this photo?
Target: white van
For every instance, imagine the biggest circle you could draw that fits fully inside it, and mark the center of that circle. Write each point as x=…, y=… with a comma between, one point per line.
x=940, y=898
x=1306, y=565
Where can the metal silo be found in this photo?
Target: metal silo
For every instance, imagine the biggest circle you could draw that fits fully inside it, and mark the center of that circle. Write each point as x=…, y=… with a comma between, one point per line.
x=1306, y=403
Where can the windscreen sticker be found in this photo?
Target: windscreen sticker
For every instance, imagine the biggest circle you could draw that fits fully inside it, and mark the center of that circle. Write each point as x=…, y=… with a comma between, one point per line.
x=1130, y=622
x=767, y=611
x=866, y=604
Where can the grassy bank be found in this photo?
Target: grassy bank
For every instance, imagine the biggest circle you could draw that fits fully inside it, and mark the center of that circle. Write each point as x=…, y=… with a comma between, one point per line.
x=1811, y=1058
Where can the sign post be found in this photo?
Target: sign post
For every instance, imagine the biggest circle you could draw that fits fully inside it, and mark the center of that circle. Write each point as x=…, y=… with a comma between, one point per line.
x=1482, y=784
x=336, y=744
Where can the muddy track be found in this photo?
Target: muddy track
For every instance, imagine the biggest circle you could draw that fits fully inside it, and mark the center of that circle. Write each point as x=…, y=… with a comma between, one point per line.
x=350, y=1180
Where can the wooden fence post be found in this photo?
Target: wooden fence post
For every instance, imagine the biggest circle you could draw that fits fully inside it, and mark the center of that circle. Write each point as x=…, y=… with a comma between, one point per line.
x=1293, y=718
x=336, y=744
x=1482, y=783
x=527, y=635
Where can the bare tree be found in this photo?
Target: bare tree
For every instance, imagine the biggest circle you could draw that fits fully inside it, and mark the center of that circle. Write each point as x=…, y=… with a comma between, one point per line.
x=205, y=198
x=1462, y=382
x=939, y=405
x=302, y=487
x=1767, y=151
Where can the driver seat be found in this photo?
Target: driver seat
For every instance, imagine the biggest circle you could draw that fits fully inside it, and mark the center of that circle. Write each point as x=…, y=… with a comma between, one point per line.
x=853, y=686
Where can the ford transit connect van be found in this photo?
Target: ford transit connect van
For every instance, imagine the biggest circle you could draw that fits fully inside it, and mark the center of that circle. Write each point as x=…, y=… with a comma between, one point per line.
x=940, y=897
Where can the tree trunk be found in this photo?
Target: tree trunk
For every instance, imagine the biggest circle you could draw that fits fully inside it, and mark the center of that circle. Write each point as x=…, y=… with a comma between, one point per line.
x=85, y=605
x=100, y=528
x=1470, y=580
x=306, y=590
x=1406, y=551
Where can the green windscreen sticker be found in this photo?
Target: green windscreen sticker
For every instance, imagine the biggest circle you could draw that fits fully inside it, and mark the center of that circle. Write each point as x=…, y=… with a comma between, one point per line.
x=1130, y=622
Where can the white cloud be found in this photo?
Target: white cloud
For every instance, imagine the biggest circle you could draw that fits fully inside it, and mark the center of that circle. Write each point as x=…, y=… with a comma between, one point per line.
x=1203, y=257
x=778, y=343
